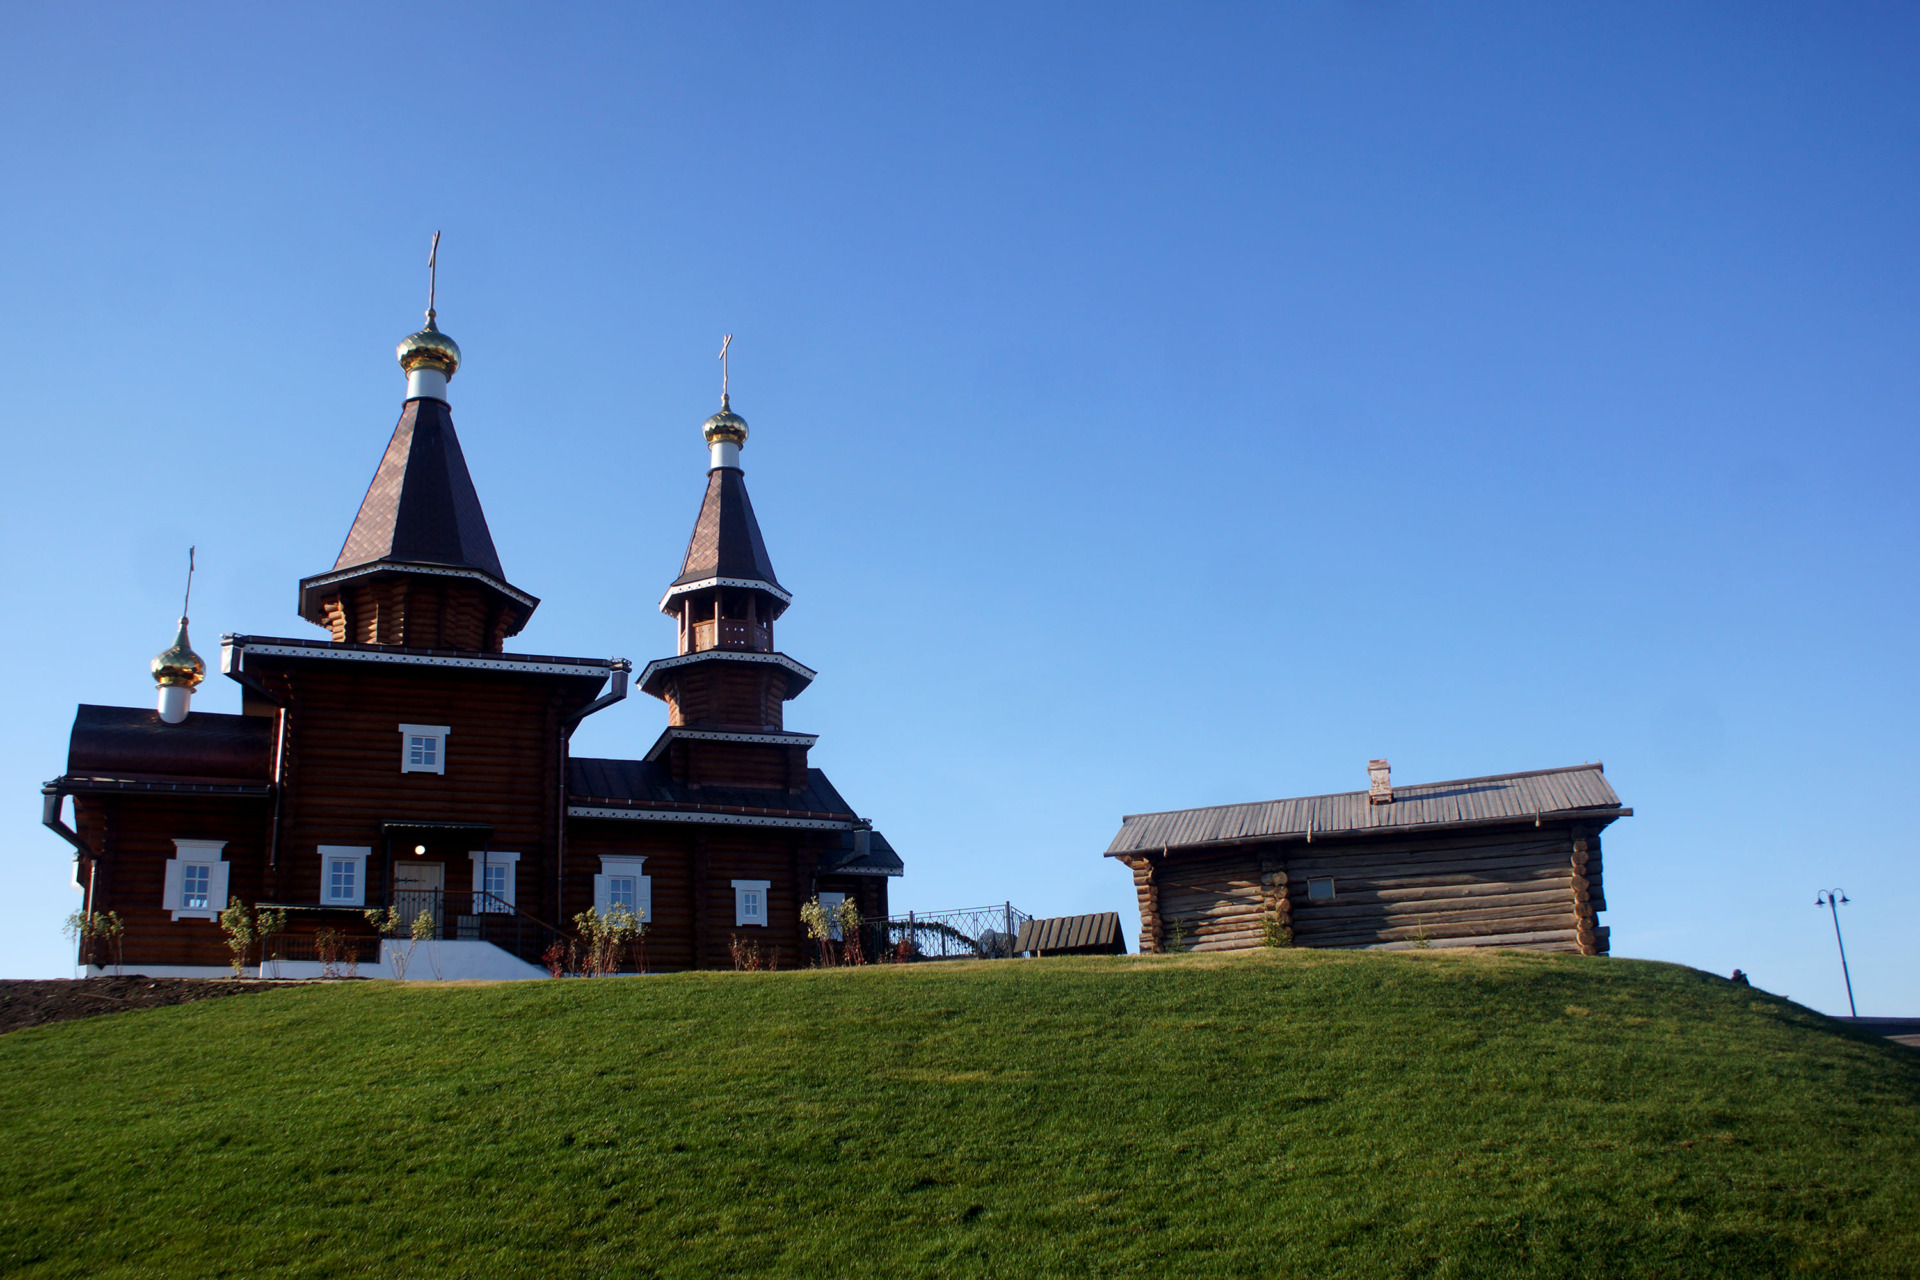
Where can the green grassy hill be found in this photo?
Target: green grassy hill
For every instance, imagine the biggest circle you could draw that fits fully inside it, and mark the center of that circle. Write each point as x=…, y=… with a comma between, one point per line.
x=1289, y=1113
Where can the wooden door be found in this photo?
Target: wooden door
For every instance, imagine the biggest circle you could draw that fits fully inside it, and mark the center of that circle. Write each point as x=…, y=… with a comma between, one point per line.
x=417, y=887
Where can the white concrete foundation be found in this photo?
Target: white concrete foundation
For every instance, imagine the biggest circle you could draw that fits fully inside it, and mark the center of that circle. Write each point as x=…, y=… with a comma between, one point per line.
x=455, y=961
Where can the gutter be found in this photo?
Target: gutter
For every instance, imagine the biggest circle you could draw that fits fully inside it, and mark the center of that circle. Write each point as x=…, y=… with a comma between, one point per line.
x=52, y=798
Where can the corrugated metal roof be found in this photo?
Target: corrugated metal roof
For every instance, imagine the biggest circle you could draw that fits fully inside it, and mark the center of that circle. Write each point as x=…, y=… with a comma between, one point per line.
x=1498, y=798
x=1098, y=933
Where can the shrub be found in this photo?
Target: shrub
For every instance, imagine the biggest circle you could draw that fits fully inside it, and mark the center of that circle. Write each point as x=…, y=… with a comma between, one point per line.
x=605, y=935
x=237, y=923
x=1273, y=933
x=94, y=930
x=339, y=954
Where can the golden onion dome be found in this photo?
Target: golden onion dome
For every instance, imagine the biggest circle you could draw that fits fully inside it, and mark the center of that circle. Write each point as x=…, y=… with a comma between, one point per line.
x=725, y=425
x=429, y=349
x=179, y=665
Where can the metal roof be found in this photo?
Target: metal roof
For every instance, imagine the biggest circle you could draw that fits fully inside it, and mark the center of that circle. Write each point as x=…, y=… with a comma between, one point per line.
x=134, y=743
x=1504, y=797
x=648, y=785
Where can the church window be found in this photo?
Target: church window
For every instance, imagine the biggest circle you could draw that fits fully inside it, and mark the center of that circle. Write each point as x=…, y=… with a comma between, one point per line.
x=195, y=884
x=423, y=748
x=750, y=901
x=343, y=875
x=622, y=884
x=832, y=901
x=494, y=874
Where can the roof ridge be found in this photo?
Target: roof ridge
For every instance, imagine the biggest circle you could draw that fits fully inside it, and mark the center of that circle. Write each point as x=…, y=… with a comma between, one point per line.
x=1398, y=788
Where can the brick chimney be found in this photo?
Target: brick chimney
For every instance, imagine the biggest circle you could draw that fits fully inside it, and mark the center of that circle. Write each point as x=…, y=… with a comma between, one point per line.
x=1380, y=783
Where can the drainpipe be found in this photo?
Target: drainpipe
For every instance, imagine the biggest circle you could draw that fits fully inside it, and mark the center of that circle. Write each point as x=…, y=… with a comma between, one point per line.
x=233, y=661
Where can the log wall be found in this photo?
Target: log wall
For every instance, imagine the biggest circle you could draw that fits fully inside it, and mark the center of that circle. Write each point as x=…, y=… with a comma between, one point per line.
x=692, y=870
x=1531, y=887
x=132, y=835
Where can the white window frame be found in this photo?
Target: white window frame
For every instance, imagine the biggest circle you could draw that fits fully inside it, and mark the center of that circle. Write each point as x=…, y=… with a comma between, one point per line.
x=356, y=854
x=741, y=888
x=207, y=853
x=631, y=866
x=484, y=858
x=437, y=732
x=831, y=901
x=1313, y=889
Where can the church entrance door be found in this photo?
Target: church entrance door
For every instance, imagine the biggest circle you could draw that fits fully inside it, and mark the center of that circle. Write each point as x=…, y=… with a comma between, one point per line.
x=417, y=888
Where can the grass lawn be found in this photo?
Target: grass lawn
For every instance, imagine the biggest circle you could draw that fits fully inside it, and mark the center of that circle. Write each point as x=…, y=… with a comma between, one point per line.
x=1285, y=1113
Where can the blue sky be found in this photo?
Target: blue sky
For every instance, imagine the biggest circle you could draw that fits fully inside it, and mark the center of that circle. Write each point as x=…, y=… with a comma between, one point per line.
x=1152, y=406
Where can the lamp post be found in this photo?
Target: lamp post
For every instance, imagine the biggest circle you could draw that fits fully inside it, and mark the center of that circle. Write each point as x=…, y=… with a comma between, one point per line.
x=1831, y=900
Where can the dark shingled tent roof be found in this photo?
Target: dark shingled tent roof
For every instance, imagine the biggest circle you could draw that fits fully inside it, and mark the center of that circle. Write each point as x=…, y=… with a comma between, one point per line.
x=726, y=539
x=421, y=507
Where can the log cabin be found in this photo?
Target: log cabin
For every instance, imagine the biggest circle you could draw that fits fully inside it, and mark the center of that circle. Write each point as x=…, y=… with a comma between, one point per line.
x=1510, y=860
x=407, y=760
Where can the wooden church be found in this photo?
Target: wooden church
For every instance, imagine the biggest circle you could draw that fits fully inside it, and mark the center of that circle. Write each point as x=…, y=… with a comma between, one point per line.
x=407, y=759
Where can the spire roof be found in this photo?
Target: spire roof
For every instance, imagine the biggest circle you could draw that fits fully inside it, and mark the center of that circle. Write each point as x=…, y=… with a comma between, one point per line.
x=422, y=507
x=726, y=543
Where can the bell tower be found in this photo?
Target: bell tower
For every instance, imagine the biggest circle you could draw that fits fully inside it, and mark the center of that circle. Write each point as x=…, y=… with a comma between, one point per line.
x=727, y=686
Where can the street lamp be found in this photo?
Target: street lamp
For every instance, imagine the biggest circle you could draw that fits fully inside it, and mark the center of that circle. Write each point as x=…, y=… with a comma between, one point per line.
x=1831, y=900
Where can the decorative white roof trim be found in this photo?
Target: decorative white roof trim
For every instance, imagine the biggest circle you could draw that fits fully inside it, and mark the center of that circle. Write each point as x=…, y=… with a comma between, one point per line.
x=860, y=871
x=722, y=735
x=499, y=662
x=711, y=819
x=783, y=596
x=443, y=571
x=724, y=655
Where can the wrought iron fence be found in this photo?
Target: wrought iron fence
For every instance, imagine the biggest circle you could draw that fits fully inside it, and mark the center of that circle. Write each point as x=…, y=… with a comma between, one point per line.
x=965, y=933
x=466, y=915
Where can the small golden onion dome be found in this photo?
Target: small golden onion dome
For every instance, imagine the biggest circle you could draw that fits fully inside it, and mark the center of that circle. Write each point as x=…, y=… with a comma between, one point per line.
x=179, y=665
x=429, y=349
x=725, y=425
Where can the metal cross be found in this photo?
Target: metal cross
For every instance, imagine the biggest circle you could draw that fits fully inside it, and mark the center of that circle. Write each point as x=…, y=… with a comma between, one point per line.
x=433, y=272
x=189, y=596
x=724, y=344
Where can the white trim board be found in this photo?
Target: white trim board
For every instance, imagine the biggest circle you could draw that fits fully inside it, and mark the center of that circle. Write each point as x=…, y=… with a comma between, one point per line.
x=712, y=819
x=600, y=670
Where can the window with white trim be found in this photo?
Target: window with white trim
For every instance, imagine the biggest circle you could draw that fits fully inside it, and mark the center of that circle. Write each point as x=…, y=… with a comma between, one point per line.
x=195, y=883
x=423, y=748
x=623, y=883
x=343, y=875
x=496, y=872
x=750, y=901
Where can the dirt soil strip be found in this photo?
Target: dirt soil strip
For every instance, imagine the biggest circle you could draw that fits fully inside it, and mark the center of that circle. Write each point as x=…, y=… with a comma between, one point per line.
x=27, y=1003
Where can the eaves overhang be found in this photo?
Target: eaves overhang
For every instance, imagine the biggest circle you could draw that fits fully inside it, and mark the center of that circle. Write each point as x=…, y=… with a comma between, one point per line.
x=679, y=589
x=374, y=570
x=673, y=732
x=655, y=672
x=69, y=785
x=235, y=649
x=716, y=815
